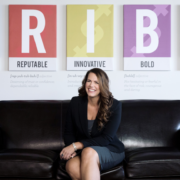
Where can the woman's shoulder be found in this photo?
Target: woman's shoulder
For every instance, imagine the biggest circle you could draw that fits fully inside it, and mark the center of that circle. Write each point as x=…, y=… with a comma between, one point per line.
x=77, y=99
x=116, y=104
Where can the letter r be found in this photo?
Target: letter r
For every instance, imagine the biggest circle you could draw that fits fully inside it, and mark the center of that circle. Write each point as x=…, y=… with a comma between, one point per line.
x=27, y=32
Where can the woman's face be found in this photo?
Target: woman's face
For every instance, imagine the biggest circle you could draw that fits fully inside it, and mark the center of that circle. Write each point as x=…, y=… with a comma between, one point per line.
x=92, y=85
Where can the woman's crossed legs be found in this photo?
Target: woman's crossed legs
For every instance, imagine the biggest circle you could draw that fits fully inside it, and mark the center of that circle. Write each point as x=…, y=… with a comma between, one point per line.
x=84, y=167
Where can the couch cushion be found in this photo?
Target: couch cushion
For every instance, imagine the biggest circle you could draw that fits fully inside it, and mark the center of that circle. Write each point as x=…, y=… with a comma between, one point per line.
x=152, y=162
x=150, y=123
x=28, y=163
x=115, y=173
x=31, y=124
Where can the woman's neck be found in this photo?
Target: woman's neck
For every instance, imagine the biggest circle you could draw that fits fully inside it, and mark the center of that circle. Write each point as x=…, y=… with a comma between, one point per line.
x=93, y=101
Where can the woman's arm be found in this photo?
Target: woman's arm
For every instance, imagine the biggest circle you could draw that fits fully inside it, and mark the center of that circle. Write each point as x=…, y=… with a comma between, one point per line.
x=69, y=135
x=109, y=130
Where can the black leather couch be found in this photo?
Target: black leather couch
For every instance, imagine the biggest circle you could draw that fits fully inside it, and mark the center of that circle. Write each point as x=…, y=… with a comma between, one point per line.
x=31, y=139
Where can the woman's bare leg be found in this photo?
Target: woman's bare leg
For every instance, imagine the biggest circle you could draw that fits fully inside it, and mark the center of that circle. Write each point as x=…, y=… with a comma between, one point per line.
x=73, y=168
x=90, y=165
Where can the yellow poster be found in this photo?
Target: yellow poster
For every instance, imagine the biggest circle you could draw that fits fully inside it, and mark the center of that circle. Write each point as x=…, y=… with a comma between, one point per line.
x=89, y=37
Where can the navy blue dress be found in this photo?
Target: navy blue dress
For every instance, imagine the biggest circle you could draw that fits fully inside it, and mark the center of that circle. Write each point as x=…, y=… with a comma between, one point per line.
x=107, y=158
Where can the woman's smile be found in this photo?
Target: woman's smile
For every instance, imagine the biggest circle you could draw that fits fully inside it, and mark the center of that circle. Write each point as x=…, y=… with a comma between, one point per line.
x=92, y=85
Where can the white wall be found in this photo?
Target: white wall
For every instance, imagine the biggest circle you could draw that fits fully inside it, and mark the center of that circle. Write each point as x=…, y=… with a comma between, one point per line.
x=169, y=81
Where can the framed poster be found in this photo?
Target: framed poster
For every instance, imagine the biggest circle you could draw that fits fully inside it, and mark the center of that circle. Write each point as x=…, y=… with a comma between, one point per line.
x=32, y=37
x=89, y=37
x=147, y=37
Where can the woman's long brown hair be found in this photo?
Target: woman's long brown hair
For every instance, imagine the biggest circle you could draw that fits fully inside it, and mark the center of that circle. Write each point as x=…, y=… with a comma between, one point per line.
x=106, y=97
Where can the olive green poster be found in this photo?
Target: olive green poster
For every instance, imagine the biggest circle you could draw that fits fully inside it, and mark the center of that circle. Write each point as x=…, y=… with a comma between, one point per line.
x=89, y=37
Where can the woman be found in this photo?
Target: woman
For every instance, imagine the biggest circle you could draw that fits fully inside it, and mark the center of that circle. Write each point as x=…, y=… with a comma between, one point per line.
x=90, y=132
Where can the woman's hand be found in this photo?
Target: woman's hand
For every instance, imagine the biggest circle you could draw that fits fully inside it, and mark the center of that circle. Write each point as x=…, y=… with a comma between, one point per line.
x=73, y=154
x=67, y=152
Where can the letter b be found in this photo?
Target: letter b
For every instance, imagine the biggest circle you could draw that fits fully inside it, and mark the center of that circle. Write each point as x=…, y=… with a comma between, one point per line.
x=27, y=32
x=141, y=30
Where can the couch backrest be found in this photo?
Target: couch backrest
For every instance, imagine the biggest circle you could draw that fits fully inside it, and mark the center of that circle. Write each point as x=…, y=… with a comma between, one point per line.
x=31, y=124
x=40, y=124
x=150, y=123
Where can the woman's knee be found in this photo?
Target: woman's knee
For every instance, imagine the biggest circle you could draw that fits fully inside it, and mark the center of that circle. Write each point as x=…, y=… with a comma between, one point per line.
x=89, y=154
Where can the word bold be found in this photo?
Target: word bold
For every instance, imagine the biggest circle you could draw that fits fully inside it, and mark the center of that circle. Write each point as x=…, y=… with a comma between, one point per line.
x=147, y=64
